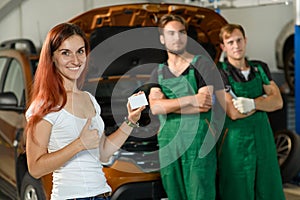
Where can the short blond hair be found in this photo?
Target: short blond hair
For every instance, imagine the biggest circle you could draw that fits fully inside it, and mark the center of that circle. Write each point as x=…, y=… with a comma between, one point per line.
x=228, y=29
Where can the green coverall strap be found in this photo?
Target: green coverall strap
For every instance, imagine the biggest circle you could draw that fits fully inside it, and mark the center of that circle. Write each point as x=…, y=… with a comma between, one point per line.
x=261, y=71
x=190, y=77
x=195, y=59
x=159, y=72
x=257, y=67
x=223, y=66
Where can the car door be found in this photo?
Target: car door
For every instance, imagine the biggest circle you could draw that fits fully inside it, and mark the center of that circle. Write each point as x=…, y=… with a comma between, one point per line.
x=12, y=80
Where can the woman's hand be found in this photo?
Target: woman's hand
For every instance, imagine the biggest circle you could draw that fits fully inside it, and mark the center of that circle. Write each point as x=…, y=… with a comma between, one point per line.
x=134, y=115
x=89, y=137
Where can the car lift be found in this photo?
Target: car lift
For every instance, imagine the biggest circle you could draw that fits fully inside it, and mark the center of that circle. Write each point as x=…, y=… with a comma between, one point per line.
x=297, y=74
x=297, y=66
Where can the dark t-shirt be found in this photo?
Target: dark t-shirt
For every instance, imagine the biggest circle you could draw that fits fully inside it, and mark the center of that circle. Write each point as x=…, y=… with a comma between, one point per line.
x=206, y=73
x=238, y=76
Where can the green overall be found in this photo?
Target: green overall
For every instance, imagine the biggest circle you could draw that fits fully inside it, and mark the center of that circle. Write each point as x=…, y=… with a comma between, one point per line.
x=247, y=159
x=185, y=176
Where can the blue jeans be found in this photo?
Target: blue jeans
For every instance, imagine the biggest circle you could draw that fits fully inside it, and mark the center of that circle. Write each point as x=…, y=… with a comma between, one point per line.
x=93, y=198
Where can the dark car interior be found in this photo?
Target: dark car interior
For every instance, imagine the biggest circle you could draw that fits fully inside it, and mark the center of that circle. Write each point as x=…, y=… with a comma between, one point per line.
x=130, y=72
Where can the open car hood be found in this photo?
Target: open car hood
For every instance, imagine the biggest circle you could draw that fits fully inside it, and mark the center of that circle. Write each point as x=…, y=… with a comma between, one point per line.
x=204, y=22
x=124, y=53
x=121, y=65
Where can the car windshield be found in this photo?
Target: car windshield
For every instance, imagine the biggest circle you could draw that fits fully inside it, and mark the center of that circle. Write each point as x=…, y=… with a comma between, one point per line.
x=34, y=63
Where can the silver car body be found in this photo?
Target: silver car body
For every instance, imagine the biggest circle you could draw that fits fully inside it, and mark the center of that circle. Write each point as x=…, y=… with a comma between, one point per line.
x=284, y=40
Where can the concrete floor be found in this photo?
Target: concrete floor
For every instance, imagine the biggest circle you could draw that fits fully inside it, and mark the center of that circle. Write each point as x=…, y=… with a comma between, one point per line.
x=292, y=192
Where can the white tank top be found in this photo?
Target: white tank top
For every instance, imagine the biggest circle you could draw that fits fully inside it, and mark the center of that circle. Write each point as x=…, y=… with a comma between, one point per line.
x=82, y=176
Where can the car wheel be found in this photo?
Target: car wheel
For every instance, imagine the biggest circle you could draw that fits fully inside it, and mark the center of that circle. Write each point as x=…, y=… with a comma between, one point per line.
x=31, y=188
x=289, y=68
x=288, y=151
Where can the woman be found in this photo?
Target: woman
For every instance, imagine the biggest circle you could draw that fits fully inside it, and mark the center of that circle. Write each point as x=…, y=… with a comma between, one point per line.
x=64, y=129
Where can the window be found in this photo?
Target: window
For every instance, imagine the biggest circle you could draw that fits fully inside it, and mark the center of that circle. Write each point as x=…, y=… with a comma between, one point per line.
x=2, y=65
x=14, y=81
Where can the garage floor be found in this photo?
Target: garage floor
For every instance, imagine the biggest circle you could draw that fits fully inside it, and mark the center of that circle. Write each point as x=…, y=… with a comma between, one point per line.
x=292, y=192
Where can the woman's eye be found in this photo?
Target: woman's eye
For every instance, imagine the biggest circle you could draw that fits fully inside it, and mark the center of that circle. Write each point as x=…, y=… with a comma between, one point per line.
x=81, y=51
x=65, y=53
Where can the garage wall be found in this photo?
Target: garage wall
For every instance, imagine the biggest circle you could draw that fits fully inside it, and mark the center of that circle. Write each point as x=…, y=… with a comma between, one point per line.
x=262, y=25
x=34, y=18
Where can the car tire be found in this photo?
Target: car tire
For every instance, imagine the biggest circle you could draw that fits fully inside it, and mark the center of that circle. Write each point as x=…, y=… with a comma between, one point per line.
x=288, y=151
x=289, y=68
x=31, y=188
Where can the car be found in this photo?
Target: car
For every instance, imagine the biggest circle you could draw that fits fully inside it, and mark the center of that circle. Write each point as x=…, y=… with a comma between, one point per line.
x=285, y=53
x=287, y=141
x=18, y=62
x=115, y=73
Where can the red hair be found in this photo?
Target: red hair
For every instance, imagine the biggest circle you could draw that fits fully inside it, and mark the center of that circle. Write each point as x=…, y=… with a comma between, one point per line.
x=48, y=91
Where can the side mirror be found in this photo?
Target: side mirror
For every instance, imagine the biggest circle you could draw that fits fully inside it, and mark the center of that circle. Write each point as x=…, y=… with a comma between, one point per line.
x=9, y=101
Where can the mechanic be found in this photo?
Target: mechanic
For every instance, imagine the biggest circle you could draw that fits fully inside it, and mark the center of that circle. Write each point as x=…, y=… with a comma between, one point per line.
x=182, y=99
x=247, y=159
